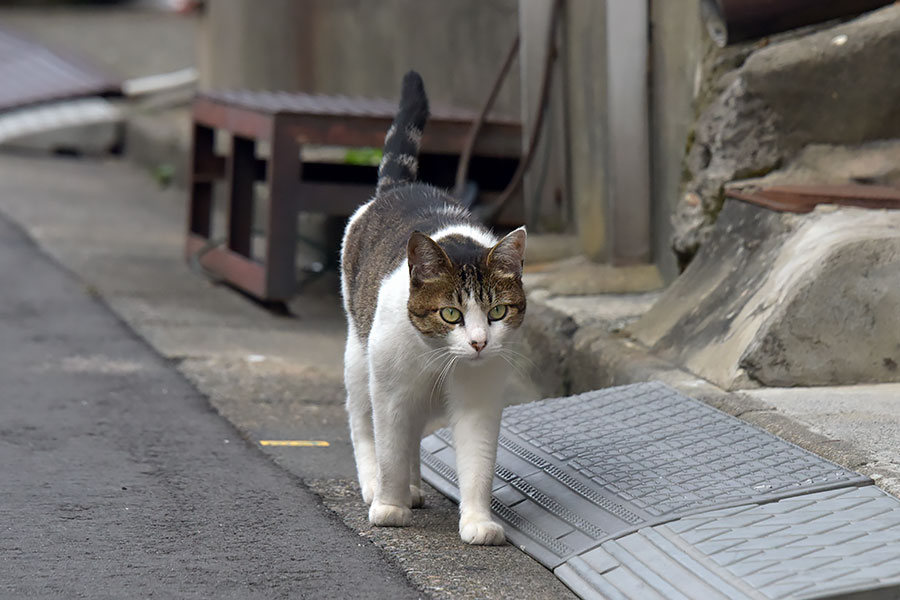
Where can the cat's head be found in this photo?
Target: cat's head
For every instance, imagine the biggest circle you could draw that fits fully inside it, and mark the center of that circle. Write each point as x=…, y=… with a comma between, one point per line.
x=464, y=294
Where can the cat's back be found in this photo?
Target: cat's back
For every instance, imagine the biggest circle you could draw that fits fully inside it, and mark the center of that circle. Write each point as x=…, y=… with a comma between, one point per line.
x=376, y=237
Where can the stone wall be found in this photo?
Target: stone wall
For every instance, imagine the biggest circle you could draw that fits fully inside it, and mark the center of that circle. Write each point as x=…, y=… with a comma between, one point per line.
x=837, y=85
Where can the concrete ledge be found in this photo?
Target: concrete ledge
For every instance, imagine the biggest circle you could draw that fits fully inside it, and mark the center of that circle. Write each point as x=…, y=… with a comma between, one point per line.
x=598, y=357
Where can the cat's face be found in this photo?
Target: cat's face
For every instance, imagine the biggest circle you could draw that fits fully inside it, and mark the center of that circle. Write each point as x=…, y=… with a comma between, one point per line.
x=464, y=297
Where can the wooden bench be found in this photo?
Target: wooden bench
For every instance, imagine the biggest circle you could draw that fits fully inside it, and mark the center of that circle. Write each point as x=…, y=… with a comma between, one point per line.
x=283, y=124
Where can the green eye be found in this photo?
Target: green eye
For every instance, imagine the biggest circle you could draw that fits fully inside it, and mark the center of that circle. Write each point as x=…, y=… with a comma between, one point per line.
x=451, y=315
x=498, y=312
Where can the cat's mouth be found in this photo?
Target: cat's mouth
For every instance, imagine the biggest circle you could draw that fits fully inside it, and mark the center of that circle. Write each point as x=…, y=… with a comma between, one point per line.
x=478, y=357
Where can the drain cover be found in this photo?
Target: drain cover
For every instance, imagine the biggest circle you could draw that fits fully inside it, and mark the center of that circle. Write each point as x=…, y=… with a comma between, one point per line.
x=574, y=472
x=837, y=544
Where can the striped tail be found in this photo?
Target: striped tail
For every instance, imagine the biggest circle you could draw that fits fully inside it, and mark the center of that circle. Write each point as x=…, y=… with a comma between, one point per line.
x=400, y=161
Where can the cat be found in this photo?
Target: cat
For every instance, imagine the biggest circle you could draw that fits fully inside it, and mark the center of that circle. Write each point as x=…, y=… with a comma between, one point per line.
x=433, y=301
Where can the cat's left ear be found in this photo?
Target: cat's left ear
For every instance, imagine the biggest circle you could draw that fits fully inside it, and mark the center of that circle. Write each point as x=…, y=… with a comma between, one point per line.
x=427, y=260
x=508, y=256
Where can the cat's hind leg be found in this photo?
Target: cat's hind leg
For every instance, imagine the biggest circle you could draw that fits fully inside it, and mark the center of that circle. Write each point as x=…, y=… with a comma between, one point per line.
x=359, y=408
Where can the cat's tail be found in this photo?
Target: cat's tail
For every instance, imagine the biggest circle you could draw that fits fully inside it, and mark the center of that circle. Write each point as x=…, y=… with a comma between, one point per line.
x=400, y=161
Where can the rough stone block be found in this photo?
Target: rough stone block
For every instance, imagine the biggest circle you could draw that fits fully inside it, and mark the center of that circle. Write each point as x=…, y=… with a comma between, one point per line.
x=780, y=299
x=834, y=86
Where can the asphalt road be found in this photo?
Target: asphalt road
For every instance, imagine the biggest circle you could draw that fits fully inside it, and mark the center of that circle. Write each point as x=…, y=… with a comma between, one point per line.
x=118, y=481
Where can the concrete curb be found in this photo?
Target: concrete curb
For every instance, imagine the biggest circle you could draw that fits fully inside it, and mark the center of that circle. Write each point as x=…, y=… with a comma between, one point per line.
x=595, y=357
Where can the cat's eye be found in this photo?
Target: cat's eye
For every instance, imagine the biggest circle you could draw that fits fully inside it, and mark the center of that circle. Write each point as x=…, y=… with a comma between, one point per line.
x=451, y=315
x=497, y=312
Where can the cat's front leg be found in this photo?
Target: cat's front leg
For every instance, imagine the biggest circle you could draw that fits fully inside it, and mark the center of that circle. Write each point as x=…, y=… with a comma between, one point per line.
x=476, y=408
x=393, y=434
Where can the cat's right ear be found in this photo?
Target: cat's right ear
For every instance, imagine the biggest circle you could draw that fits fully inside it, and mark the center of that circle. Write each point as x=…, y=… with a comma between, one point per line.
x=427, y=260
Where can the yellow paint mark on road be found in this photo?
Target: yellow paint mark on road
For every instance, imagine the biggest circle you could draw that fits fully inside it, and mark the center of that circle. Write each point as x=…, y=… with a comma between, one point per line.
x=303, y=443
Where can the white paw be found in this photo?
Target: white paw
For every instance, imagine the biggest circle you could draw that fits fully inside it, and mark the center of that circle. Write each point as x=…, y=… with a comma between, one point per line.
x=388, y=515
x=482, y=533
x=368, y=492
x=416, y=496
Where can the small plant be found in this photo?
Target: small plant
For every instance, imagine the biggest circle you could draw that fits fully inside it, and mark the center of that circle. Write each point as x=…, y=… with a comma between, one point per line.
x=368, y=157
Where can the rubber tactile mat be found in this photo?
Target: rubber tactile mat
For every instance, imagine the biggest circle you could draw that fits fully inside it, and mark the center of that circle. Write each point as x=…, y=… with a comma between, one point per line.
x=837, y=544
x=574, y=472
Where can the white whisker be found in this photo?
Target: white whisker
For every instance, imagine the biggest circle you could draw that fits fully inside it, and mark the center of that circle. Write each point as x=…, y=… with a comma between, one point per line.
x=435, y=356
x=438, y=382
x=519, y=369
x=519, y=355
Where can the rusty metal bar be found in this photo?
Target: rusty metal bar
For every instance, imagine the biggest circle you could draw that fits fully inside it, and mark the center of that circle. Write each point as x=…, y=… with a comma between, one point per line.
x=804, y=198
x=730, y=21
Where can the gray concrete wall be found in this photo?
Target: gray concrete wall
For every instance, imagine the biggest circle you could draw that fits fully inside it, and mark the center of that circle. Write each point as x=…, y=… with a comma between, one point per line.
x=676, y=47
x=585, y=64
x=545, y=186
x=360, y=47
x=240, y=45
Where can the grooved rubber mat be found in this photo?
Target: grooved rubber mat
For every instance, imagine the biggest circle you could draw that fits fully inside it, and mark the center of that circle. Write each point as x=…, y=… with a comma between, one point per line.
x=837, y=544
x=574, y=472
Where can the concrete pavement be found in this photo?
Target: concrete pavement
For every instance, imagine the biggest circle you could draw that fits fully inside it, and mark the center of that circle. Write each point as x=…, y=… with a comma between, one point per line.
x=273, y=377
x=119, y=481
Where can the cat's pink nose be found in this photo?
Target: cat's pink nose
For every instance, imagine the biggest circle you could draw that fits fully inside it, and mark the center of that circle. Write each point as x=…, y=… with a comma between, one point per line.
x=479, y=346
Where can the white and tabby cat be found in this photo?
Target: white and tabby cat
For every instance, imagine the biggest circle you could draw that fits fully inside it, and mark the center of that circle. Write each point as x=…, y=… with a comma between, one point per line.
x=432, y=300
